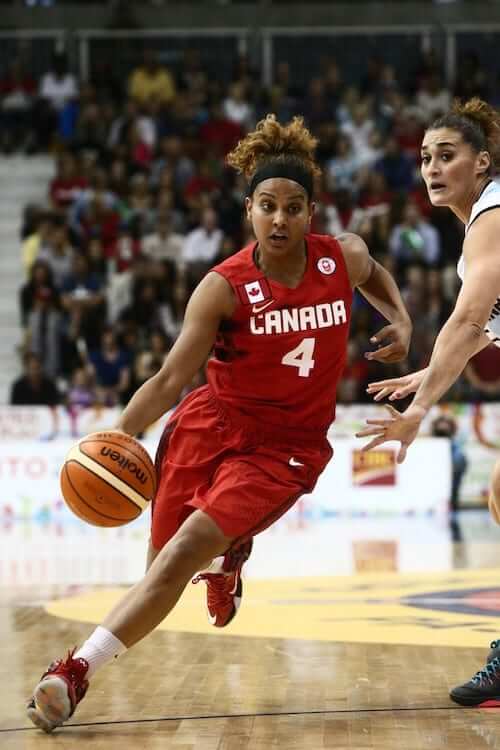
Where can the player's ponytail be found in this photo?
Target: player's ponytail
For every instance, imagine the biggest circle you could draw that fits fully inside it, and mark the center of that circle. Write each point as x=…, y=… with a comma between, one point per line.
x=271, y=143
x=479, y=124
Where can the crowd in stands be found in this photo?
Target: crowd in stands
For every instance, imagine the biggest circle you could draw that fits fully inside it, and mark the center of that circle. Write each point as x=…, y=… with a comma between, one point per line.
x=142, y=205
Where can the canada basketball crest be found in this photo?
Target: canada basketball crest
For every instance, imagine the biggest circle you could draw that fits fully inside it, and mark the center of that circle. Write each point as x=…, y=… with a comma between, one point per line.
x=326, y=265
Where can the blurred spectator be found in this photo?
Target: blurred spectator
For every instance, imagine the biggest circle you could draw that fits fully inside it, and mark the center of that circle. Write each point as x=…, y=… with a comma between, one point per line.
x=343, y=215
x=81, y=395
x=202, y=185
x=359, y=127
x=140, y=200
x=237, y=108
x=68, y=183
x=56, y=106
x=173, y=314
x=57, y=251
x=91, y=130
x=318, y=106
x=37, y=237
x=445, y=426
x=432, y=98
x=164, y=243
x=17, y=95
x=219, y=133
x=438, y=307
x=396, y=167
x=98, y=263
x=122, y=286
x=40, y=285
x=414, y=240
x=409, y=132
x=96, y=212
x=109, y=365
x=34, y=388
x=343, y=168
x=147, y=362
x=150, y=80
x=83, y=301
x=41, y=317
x=172, y=156
x=139, y=150
x=122, y=252
x=145, y=309
x=202, y=244
x=375, y=198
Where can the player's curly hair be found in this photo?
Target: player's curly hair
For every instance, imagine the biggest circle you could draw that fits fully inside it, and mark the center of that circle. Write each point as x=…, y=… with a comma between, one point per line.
x=479, y=124
x=273, y=142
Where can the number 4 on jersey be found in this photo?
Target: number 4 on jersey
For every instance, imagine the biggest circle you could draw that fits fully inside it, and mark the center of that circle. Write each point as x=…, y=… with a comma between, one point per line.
x=301, y=357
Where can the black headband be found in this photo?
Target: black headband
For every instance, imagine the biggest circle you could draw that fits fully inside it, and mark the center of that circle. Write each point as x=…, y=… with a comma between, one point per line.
x=294, y=172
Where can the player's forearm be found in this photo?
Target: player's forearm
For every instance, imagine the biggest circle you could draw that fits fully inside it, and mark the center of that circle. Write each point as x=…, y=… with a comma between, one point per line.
x=457, y=342
x=382, y=292
x=156, y=396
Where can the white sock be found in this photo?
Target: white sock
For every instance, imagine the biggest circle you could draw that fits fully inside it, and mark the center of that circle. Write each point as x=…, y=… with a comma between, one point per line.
x=101, y=647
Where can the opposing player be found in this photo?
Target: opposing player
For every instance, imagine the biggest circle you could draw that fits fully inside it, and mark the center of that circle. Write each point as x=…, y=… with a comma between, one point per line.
x=460, y=153
x=238, y=452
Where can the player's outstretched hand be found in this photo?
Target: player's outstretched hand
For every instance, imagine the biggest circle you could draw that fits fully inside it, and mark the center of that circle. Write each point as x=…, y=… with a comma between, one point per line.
x=401, y=426
x=396, y=388
x=393, y=343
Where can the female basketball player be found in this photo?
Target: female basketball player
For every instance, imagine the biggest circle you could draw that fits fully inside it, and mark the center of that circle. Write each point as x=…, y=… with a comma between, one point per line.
x=460, y=153
x=237, y=453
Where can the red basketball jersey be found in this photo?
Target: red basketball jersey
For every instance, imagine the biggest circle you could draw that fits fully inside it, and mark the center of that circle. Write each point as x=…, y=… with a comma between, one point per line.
x=279, y=359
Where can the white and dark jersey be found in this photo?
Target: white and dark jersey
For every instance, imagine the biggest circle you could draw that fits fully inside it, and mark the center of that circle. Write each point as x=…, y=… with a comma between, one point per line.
x=489, y=199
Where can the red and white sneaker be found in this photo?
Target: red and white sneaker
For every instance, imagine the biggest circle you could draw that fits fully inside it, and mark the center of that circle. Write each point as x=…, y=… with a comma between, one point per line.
x=58, y=693
x=224, y=586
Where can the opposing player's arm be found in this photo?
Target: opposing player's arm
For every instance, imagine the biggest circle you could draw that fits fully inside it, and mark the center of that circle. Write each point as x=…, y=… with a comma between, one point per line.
x=211, y=302
x=463, y=333
x=379, y=288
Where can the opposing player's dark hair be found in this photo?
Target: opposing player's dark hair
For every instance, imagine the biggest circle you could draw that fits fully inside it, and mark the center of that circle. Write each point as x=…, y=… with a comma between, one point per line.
x=479, y=124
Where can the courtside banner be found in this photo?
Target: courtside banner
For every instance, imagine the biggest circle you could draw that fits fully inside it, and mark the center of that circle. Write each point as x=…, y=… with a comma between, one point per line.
x=353, y=483
x=373, y=484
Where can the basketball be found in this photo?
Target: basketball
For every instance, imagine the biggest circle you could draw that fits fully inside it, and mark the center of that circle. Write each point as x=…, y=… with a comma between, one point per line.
x=108, y=479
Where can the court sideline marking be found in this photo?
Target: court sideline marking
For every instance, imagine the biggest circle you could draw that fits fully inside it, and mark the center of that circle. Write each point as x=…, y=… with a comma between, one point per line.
x=312, y=712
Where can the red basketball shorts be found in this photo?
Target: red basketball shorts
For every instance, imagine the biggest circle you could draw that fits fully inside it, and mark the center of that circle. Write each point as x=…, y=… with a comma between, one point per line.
x=242, y=481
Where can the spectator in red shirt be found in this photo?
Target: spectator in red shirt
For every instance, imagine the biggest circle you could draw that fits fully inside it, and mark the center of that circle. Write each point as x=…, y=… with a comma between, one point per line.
x=219, y=132
x=123, y=251
x=68, y=183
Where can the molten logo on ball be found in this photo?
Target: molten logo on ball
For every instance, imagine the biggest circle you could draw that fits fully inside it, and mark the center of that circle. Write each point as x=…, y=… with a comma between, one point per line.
x=124, y=463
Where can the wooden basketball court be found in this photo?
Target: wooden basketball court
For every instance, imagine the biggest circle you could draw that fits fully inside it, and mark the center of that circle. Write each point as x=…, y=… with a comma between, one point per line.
x=348, y=662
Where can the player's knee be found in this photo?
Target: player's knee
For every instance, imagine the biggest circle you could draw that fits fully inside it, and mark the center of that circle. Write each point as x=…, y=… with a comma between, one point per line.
x=182, y=557
x=176, y=560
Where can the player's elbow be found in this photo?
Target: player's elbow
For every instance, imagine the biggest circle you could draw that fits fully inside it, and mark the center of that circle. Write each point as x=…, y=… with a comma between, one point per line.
x=468, y=325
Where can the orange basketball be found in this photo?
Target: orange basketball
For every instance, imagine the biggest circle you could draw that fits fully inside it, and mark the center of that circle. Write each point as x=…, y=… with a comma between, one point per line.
x=108, y=479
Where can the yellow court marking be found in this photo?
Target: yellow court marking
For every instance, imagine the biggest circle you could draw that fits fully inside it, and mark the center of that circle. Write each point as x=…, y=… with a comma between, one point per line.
x=368, y=608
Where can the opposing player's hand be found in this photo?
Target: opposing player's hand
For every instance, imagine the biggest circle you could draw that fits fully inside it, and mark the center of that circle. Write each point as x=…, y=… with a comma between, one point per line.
x=396, y=388
x=400, y=426
x=397, y=336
